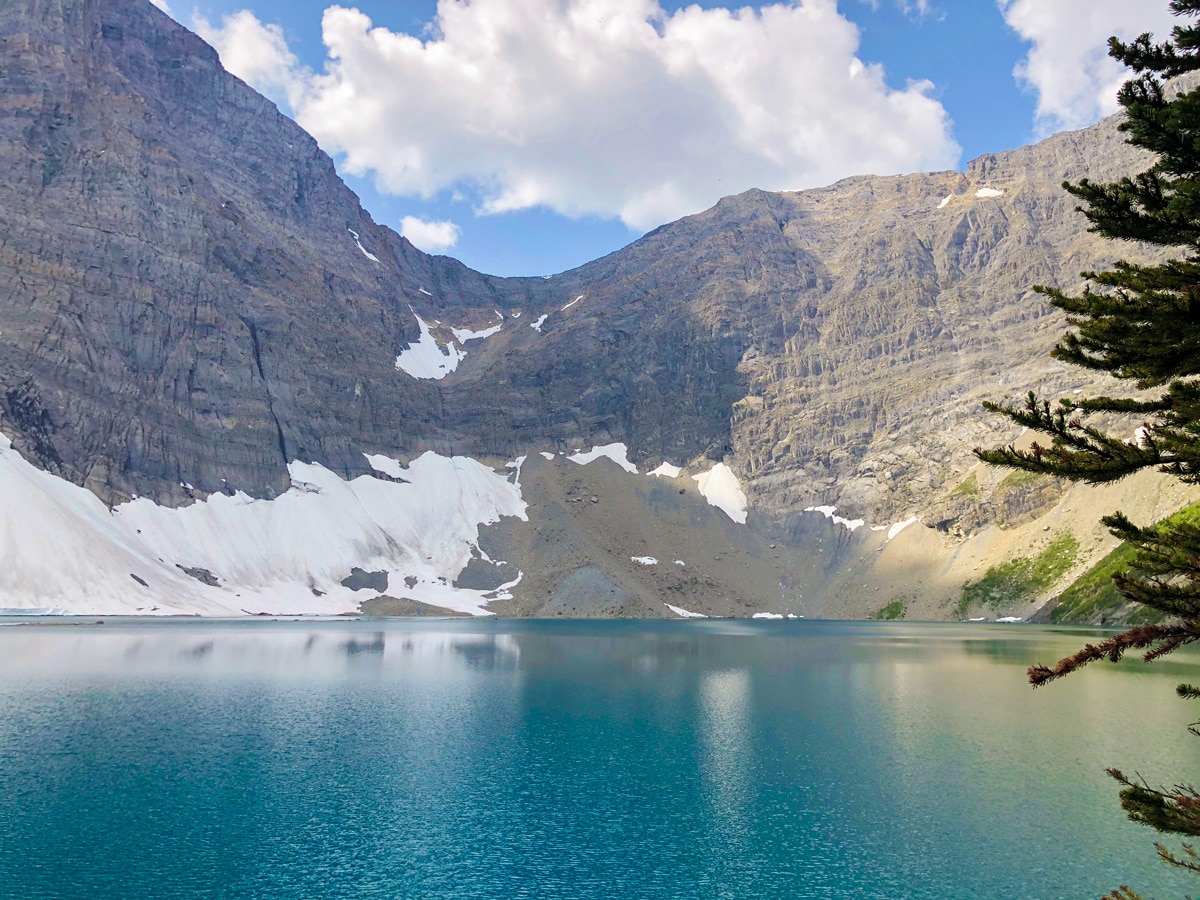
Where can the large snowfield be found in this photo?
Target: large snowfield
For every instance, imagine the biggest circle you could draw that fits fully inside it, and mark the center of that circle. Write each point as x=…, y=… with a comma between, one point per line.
x=62, y=548
x=411, y=530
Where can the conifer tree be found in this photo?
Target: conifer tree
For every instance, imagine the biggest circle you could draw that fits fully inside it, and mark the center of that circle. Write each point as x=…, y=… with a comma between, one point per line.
x=1141, y=324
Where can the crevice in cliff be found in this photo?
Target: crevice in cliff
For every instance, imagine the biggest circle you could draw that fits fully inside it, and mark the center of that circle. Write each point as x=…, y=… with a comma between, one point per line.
x=257, y=350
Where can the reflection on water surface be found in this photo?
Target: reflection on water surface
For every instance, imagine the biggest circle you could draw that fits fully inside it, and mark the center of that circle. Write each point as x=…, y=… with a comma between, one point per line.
x=500, y=759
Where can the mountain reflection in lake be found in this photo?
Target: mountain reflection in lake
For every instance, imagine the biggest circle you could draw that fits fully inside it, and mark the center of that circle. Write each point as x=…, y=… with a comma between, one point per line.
x=498, y=759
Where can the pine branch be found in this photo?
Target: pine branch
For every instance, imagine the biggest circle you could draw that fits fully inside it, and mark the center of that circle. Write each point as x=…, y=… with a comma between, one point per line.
x=1143, y=55
x=1139, y=323
x=1192, y=863
x=1122, y=405
x=1137, y=208
x=1078, y=452
x=1169, y=810
x=1143, y=327
x=1160, y=639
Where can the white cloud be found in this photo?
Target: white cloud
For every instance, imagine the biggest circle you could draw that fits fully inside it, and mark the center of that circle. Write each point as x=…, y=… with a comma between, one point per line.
x=432, y=237
x=606, y=107
x=1068, y=65
x=916, y=8
x=162, y=4
x=256, y=53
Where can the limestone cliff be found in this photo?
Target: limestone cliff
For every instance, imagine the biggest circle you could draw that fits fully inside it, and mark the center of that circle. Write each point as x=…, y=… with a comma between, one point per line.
x=190, y=299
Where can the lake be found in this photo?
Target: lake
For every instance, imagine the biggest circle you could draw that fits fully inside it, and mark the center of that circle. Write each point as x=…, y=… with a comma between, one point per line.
x=512, y=759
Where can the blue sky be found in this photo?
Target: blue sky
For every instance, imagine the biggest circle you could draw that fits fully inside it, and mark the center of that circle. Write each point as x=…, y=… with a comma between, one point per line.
x=530, y=136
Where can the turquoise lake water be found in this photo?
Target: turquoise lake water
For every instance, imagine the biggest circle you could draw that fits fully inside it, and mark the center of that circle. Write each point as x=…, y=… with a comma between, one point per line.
x=502, y=759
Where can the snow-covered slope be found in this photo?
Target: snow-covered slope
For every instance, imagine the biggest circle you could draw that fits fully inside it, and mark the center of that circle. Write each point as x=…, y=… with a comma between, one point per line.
x=722, y=489
x=618, y=453
x=61, y=547
x=426, y=359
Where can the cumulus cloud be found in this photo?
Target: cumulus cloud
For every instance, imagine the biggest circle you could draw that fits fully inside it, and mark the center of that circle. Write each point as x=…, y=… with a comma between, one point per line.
x=1068, y=65
x=600, y=107
x=432, y=237
x=258, y=54
x=162, y=4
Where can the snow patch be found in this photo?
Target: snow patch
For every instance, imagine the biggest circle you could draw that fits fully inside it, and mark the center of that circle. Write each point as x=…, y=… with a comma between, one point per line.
x=683, y=613
x=767, y=616
x=618, y=453
x=386, y=465
x=1009, y=620
x=572, y=303
x=546, y=454
x=422, y=290
x=666, y=470
x=828, y=512
x=504, y=592
x=900, y=526
x=425, y=358
x=644, y=560
x=537, y=326
x=462, y=335
x=945, y=200
x=720, y=487
x=986, y=193
x=61, y=547
x=365, y=252
x=679, y=562
x=980, y=619
x=516, y=464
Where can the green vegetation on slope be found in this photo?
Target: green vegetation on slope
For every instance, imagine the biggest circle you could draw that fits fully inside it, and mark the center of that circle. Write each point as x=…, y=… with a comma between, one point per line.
x=968, y=488
x=1093, y=595
x=1021, y=579
x=1017, y=478
x=894, y=610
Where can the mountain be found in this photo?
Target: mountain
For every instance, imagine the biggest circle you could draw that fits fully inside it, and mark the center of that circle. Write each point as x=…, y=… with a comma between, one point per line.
x=195, y=311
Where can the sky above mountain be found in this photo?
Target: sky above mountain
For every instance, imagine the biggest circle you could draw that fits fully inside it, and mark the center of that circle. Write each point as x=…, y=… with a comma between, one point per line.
x=526, y=137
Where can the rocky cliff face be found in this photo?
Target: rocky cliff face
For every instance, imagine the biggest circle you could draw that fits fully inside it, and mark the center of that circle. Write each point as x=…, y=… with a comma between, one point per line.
x=836, y=344
x=190, y=299
x=182, y=295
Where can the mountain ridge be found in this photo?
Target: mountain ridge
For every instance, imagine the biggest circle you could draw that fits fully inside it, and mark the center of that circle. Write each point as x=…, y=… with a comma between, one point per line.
x=191, y=302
